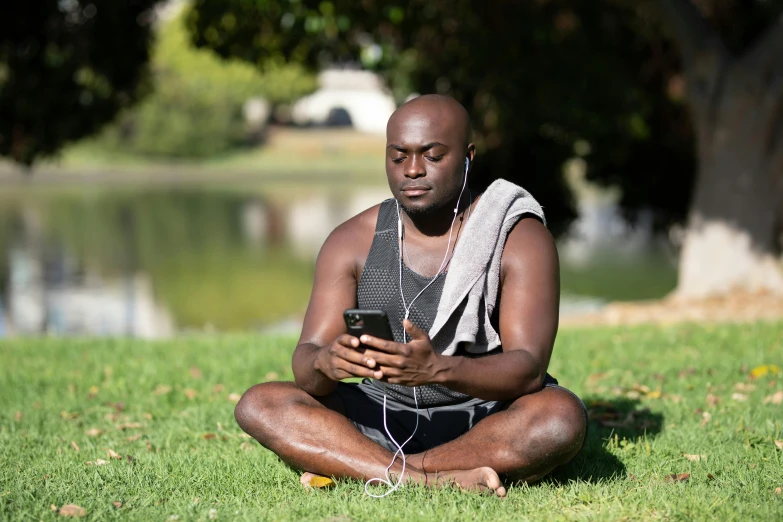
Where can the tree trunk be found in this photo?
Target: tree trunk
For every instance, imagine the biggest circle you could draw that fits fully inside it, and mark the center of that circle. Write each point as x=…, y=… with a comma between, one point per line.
x=732, y=240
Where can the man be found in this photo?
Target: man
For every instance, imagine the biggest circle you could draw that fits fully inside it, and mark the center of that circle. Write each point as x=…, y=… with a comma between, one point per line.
x=472, y=418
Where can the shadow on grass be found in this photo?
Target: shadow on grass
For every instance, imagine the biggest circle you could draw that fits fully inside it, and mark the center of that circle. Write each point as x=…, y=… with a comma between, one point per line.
x=611, y=420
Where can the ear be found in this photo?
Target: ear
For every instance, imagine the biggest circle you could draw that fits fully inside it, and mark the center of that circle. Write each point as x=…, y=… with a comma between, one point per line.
x=471, y=155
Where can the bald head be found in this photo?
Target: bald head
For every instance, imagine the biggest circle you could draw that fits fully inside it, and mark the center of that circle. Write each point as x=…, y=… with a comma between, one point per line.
x=438, y=111
x=428, y=154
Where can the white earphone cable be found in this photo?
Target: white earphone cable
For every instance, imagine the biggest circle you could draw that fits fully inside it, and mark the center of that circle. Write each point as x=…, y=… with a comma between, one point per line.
x=388, y=481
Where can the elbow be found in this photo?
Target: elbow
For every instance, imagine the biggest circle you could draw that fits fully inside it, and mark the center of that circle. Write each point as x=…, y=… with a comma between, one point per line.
x=534, y=376
x=534, y=383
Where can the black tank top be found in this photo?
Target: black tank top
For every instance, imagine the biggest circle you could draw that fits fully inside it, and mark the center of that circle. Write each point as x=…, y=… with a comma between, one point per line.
x=379, y=289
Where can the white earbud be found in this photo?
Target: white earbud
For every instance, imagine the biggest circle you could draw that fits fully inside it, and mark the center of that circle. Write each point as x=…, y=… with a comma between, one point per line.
x=467, y=165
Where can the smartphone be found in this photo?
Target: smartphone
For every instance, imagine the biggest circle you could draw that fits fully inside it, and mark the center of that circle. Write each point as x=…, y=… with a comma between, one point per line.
x=369, y=322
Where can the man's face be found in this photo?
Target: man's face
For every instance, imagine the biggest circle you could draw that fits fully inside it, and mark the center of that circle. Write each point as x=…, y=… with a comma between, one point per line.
x=425, y=158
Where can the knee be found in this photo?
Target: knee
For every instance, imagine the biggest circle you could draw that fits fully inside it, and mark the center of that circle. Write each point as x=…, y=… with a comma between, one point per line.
x=258, y=406
x=556, y=431
x=561, y=428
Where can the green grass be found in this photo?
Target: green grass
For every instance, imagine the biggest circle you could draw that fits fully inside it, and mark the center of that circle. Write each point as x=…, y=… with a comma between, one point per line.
x=653, y=384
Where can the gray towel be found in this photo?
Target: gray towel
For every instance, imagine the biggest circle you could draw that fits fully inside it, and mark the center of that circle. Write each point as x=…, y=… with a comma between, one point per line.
x=471, y=288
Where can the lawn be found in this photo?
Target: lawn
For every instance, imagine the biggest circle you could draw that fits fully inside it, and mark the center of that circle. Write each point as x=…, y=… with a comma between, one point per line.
x=684, y=427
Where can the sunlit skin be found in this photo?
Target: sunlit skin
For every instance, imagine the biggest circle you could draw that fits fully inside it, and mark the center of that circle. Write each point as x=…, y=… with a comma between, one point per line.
x=303, y=422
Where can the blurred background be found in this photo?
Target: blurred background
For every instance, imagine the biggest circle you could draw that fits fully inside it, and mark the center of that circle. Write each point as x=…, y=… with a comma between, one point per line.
x=170, y=166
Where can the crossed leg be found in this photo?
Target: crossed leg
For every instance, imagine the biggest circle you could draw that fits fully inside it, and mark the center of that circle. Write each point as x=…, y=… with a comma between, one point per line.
x=535, y=434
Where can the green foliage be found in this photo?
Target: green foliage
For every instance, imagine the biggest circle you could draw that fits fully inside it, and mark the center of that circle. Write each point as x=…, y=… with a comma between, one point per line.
x=67, y=67
x=537, y=78
x=62, y=388
x=196, y=107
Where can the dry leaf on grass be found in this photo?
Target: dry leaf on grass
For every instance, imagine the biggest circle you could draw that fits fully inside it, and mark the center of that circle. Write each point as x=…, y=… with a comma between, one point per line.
x=18, y=416
x=209, y=436
x=682, y=477
x=93, y=432
x=195, y=372
x=779, y=444
x=74, y=446
x=246, y=446
x=113, y=454
x=712, y=400
x=764, y=369
x=710, y=476
x=129, y=426
x=71, y=510
x=688, y=371
x=234, y=397
x=161, y=389
x=93, y=392
x=217, y=388
x=778, y=491
x=149, y=445
x=319, y=482
x=694, y=458
x=775, y=398
x=271, y=376
x=117, y=504
x=744, y=387
x=190, y=393
x=98, y=462
x=676, y=399
x=739, y=397
x=705, y=418
x=52, y=507
x=68, y=415
x=134, y=438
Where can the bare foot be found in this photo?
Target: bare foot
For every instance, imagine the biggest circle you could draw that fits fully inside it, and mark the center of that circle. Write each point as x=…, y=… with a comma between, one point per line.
x=311, y=480
x=478, y=479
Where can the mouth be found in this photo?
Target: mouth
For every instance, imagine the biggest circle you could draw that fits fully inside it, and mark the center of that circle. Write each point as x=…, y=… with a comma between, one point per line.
x=415, y=190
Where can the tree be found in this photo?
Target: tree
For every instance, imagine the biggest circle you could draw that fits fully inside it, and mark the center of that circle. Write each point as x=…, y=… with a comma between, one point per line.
x=522, y=72
x=548, y=80
x=66, y=68
x=195, y=109
x=732, y=54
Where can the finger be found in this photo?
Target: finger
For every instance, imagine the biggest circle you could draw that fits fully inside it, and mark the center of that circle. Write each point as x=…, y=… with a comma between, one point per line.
x=384, y=359
x=380, y=344
x=355, y=370
x=356, y=357
x=348, y=340
x=416, y=333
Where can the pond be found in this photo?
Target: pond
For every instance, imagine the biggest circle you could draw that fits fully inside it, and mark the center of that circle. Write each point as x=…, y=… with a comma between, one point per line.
x=151, y=262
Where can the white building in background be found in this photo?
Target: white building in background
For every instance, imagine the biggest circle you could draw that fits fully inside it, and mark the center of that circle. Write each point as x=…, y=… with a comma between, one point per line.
x=354, y=97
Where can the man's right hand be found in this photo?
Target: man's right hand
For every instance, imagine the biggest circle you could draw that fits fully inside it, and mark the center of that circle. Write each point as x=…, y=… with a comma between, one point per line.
x=345, y=358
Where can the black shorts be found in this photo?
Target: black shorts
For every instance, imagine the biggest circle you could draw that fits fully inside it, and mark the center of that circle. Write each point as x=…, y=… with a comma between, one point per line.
x=363, y=405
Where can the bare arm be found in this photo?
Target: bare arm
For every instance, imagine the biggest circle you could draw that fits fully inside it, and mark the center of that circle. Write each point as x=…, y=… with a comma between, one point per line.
x=529, y=303
x=325, y=353
x=529, y=314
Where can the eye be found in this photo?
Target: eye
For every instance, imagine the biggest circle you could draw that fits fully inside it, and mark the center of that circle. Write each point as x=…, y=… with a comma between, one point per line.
x=397, y=160
x=435, y=158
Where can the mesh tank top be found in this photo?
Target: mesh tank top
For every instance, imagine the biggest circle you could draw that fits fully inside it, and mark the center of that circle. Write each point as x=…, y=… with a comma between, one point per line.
x=379, y=289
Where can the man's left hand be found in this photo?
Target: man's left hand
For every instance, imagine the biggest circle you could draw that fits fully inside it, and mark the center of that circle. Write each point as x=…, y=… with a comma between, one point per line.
x=412, y=364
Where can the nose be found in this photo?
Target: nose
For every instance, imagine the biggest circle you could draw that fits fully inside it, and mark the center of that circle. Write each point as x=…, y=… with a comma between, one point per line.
x=415, y=168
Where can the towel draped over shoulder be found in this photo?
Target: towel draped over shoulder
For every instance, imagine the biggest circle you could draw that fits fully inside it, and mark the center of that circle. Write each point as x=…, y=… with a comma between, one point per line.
x=470, y=291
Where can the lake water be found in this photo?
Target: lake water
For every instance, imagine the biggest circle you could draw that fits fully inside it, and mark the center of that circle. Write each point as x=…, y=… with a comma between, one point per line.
x=152, y=262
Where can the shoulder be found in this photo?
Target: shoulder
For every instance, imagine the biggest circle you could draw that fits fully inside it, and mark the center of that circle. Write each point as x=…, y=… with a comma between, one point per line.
x=350, y=242
x=529, y=246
